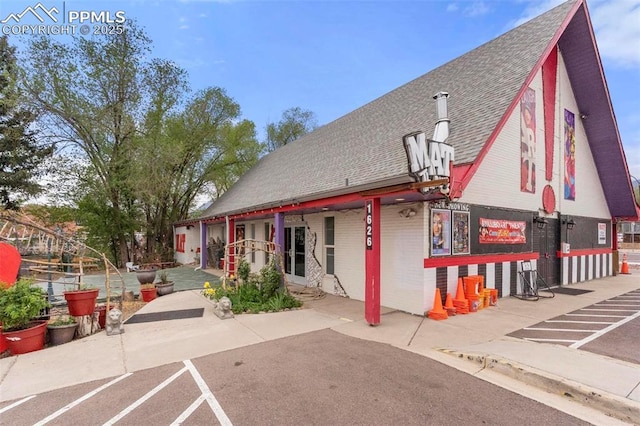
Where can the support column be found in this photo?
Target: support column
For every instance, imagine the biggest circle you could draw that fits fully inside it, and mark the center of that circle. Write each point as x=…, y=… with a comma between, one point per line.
x=231, y=237
x=279, y=240
x=372, y=261
x=203, y=245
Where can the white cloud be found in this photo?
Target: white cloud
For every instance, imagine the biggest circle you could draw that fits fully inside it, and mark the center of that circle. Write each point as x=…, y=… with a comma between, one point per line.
x=183, y=27
x=617, y=27
x=615, y=22
x=476, y=8
x=534, y=9
x=452, y=7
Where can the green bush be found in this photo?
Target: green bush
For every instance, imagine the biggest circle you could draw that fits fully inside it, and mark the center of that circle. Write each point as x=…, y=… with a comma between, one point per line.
x=20, y=304
x=261, y=293
x=244, y=269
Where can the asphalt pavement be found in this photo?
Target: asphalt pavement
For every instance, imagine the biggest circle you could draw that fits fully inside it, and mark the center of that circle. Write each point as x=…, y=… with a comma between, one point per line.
x=476, y=343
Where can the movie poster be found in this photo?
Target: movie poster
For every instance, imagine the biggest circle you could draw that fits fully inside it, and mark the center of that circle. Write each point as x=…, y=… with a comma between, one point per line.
x=528, y=141
x=498, y=231
x=460, y=232
x=569, y=155
x=440, y=232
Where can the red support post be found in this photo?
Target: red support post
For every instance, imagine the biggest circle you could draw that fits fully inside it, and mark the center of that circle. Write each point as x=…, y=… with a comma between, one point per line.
x=231, y=238
x=372, y=261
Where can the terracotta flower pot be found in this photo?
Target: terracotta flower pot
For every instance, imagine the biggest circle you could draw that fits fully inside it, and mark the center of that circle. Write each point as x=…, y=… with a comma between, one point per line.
x=148, y=294
x=81, y=302
x=4, y=345
x=59, y=334
x=27, y=340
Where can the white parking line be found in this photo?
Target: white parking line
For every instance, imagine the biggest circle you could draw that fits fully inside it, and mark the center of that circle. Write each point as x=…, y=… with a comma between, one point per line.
x=581, y=322
x=607, y=310
x=206, y=392
x=80, y=400
x=611, y=304
x=559, y=329
x=604, y=331
x=594, y=315
x=15, y=404
x=549, y=340
x=145, y=397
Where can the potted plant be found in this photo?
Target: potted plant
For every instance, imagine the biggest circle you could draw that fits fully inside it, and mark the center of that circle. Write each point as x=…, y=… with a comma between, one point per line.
x=19, y=305
x=61, y=330
x=165, y=286
x=81, y=301
x=146, y=274
x=148, y=292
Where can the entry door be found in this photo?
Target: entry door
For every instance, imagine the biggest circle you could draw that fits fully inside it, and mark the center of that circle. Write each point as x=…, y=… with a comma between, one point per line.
x=547, y=242
x=294, y=253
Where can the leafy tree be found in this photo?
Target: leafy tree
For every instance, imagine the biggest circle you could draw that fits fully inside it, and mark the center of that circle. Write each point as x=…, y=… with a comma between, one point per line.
x=147, y=149
x=295, y=122
x=20, y=153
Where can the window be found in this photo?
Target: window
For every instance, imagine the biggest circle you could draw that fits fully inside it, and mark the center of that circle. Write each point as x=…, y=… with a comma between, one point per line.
x=329, y=239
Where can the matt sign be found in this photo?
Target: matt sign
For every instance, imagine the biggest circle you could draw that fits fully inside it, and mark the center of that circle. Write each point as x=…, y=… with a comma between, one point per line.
x=428, y=160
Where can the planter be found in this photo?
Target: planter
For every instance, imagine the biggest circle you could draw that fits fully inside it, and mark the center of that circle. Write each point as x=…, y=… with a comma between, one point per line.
x=102, y=315
x=81, y=302
x=59, y=334
x=146, y=276
x=164, y=288
x=4, y=344
x=148, y=294
x=27, y=340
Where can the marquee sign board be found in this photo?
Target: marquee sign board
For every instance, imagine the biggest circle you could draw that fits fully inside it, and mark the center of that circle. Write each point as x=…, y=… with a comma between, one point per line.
x=428, y=160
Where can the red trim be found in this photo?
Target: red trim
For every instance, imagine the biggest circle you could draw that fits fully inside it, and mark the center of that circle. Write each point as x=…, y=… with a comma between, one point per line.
x=438, y=262
x=549, y=78
x=584, y=252
x=516, y=100
x=457, y=174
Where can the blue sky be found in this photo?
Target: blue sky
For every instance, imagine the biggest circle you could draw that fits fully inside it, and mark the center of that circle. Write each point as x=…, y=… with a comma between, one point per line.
x=332, y=57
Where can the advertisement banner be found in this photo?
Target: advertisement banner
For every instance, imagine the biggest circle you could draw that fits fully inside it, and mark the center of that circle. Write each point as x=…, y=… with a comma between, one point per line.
x=440, y=232
x=498, y=231
x=460, y=232
x=569, y=155
x=528, y=141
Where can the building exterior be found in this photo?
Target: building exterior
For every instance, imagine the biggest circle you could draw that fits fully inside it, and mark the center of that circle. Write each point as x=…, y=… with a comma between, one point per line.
x=509, y=153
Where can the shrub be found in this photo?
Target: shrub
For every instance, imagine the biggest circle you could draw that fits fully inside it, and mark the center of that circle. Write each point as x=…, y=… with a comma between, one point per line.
x=244, y=269
x=20, y=304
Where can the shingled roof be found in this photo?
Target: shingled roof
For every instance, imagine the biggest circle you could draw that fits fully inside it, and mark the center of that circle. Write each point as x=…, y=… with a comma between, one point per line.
x=364, y=150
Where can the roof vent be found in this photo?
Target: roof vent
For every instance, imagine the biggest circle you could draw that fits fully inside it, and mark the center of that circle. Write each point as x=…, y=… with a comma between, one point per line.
x=441, y=132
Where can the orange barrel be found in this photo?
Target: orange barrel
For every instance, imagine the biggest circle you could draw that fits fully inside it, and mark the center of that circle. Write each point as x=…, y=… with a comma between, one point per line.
x=494, y=296
x=487, y=297
x=474, y=303
x=470, y=285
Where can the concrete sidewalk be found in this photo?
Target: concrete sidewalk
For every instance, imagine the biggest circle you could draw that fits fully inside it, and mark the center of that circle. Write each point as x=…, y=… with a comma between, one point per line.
x=475, y=343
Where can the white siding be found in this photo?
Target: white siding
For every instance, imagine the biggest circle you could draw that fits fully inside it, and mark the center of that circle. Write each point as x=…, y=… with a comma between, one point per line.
x=192, y=242
x=349, y=252
x=402, y=260
x=590, y=200
x=497, y=180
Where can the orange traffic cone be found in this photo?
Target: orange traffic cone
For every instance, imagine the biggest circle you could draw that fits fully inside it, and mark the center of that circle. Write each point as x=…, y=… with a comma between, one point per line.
x=437, y=313
x=625, y=265
x=460, y=302
x=448, y=305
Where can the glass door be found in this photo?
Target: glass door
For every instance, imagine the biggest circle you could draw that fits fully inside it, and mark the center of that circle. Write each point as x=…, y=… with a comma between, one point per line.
x=294, y=253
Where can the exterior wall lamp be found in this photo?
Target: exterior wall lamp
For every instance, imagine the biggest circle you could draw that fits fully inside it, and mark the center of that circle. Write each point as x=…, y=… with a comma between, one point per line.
x=569, y=222
x=540, y=222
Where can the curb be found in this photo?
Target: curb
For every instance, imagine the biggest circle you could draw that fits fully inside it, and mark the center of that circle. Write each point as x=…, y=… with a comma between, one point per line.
x=612, y=405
